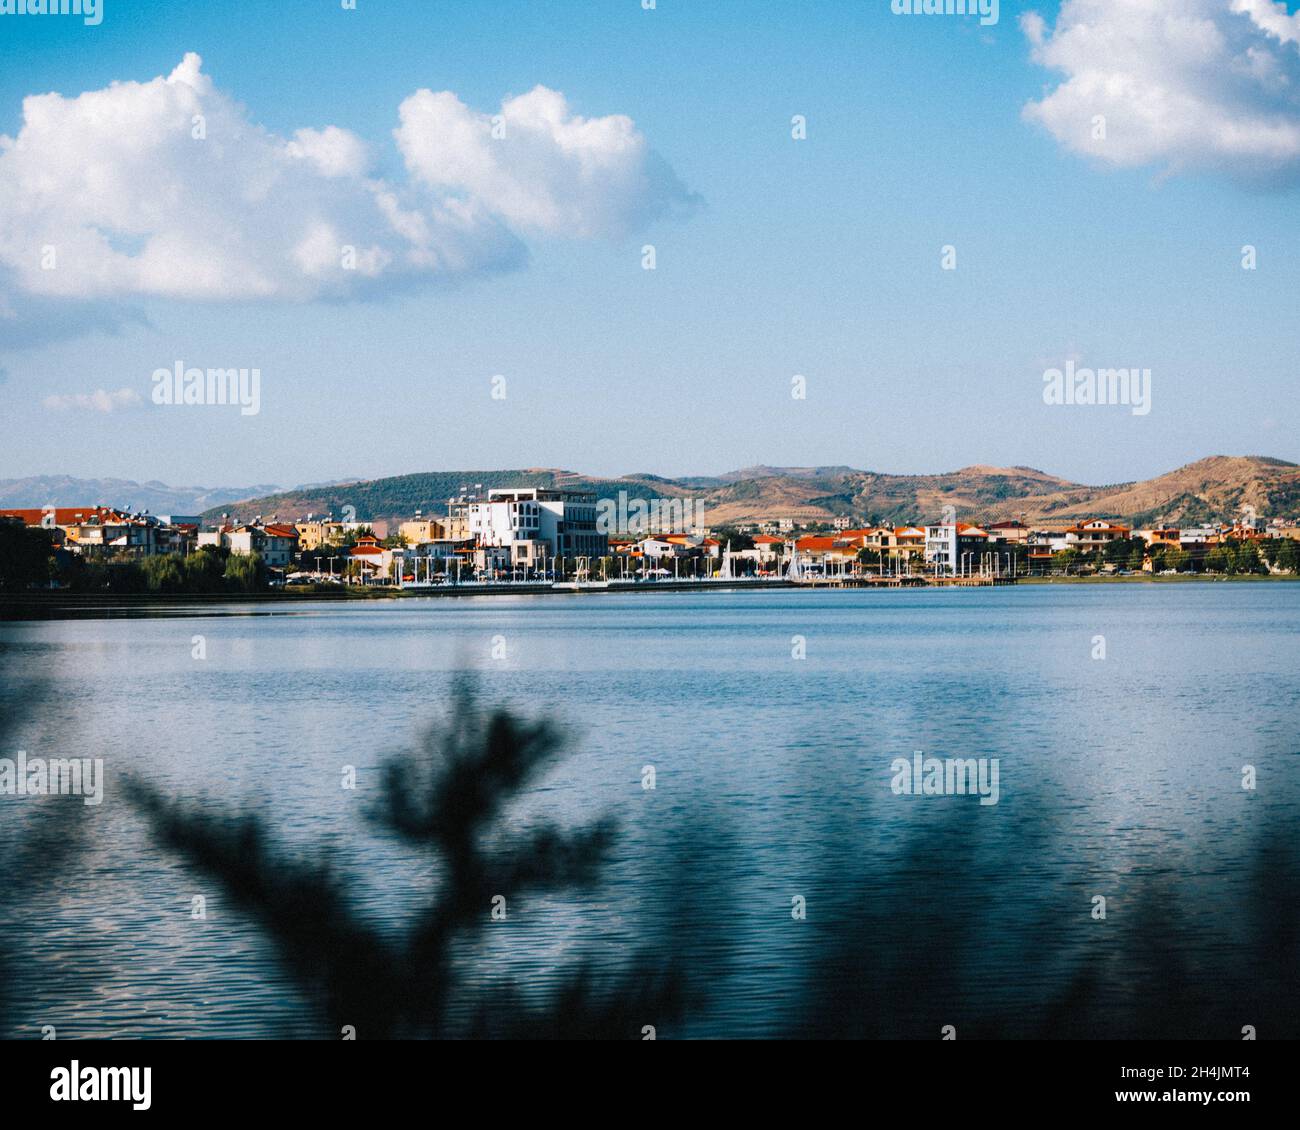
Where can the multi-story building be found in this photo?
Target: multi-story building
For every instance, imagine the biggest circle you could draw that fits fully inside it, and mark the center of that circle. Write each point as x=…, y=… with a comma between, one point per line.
x=421, y=530
x=1042, y=546
x=314, y=533
x=275, y=543
x=767, y=548
x=1014, y=532
x=1170, y=536
x=1089, y=537
x=61, y=516
x=535, y=522
x=242, y=541
x=103, y=530
x=826, y=552
x=176, y=536
x=955, y=547
x=279, y=545
x=906, y=544
x=456, y=524
x=876, y=538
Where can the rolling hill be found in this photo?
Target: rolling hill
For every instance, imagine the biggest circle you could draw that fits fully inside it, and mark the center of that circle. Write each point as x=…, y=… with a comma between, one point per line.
x=1217, y=488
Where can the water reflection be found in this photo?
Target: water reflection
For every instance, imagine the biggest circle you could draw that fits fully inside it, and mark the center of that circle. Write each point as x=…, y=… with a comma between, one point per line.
x=1119, y=779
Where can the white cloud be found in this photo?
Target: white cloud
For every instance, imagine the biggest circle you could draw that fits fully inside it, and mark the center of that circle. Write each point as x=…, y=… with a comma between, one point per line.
x=1034, y=27
x=113, y=190
x=1185, y=84
x=1272, y=16
x=98, y=401
x=537, y=165
x=335, y=152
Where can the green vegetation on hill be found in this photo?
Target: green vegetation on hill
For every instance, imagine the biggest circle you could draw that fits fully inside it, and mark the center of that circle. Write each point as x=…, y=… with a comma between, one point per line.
x=402, y=495
x=1220, y=488
x=380, y=498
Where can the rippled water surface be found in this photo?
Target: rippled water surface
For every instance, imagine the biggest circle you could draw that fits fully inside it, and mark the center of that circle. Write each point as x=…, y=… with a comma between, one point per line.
x=1119, y=777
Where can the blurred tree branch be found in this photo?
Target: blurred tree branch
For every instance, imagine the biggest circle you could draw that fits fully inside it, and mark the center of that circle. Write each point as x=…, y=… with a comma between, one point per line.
x=450, y=799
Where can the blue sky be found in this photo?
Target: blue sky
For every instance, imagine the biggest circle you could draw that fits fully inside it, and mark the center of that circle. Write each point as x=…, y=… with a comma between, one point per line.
x=774, y=257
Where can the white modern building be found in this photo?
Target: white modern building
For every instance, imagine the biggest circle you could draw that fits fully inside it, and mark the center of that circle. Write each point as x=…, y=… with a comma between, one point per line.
x=537, y=522
x=953, y=548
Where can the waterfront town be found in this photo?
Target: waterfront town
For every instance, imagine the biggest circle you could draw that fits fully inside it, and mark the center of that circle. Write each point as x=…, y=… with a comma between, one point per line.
x=538, y=536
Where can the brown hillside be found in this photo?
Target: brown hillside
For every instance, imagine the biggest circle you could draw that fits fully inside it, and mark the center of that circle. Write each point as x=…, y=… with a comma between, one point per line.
x=1213, y=489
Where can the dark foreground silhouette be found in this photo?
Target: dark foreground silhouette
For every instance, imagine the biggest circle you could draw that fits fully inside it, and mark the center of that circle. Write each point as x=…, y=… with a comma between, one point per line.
x=883, y=954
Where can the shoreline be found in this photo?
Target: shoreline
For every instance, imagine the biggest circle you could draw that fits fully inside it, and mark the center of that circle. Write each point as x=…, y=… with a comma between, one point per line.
x=45, y=605
x=1180, y=579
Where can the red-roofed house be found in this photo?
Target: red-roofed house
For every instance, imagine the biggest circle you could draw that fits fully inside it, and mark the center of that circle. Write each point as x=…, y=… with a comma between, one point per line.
x=1014, y=532
x=679, y=545
x=907, y=543
x=1094, y=535
x=62, y=516
x=90, y=529
x=279, y=545
x=767, y=549
x=825, y=550
x=370, y=558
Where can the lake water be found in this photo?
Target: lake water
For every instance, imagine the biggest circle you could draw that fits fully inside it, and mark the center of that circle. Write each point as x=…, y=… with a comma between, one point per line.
x=1119, y=777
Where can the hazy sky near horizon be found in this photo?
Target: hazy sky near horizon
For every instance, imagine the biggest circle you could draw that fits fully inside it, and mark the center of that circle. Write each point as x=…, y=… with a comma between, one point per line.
x=522, y=255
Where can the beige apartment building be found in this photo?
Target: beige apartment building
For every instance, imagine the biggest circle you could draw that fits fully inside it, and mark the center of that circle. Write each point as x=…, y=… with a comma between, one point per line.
x=421, y=530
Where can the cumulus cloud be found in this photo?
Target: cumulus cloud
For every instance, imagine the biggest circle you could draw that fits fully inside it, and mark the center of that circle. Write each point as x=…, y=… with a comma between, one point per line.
x=537, y=165
x=335, y=152
x=168, y=189
x=98, y=401
x=1189, y=85
x=1272, y=16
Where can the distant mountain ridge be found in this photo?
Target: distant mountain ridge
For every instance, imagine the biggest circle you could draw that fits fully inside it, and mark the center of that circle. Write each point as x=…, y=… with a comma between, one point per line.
x=1218, y=488
x=157, y=498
